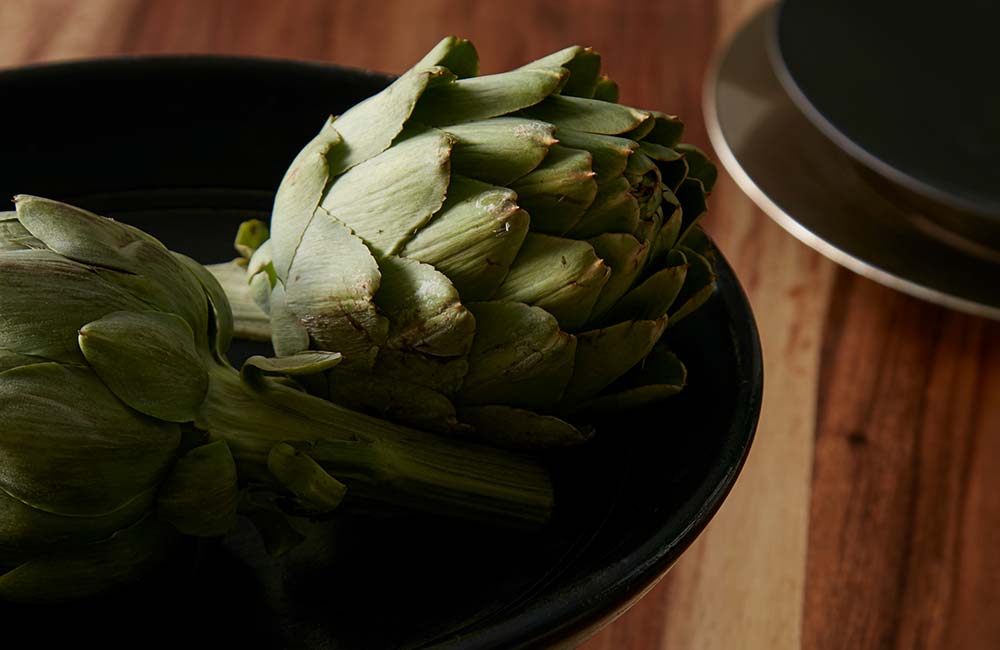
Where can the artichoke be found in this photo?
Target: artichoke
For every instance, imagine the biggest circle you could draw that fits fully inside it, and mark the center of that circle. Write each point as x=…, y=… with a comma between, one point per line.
x=124, y=425
x=493, y=255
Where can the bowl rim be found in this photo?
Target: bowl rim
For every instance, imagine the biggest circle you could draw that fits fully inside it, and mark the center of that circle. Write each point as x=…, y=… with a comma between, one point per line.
x=603, y=595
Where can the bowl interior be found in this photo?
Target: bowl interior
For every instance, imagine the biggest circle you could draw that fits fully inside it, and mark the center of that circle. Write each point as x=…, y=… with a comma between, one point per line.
x=186, y=148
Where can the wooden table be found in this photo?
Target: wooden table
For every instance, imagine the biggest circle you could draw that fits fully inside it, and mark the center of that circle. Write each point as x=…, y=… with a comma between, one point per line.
x=868, y=514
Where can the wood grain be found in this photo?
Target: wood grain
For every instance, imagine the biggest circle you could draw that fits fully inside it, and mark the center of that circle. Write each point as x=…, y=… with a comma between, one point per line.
x=906, y=446
x=867, y=515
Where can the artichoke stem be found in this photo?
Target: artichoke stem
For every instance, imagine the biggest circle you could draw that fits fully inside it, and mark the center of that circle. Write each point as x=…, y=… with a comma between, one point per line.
x=381, y=463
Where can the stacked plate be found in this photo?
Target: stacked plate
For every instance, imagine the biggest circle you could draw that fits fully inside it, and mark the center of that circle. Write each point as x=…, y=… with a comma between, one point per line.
x=872, y=134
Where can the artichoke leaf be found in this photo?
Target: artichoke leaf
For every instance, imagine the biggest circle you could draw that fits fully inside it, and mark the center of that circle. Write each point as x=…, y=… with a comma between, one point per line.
x=653, y=297
x=298, y=197
x=639, y=166
x=559, y=191
x=582, y=64
x=667, y=130
x=330, y=291
x=588, y=115
x=641, y=131
x=649, y=228
x=673, y=173
x=14, y=236
x=519, y=357
x=610, y=153
x=455, y=54
x=124, y=255
x=387, y=198
x=262, y=262
x=368, y=128
x=659, y=153
x=514, y=428
x=300, y=364
x=697, y=240
x=430, y=331
x=630, y=399
x=559, y=59
x=671, y=164
x=644, y=177
x=200, y=496
x=89, y=569
x=479, y=98
x=604, y=355
x=262, y=277
x=670, y=231
x=660, y=375
x=474, y=239
x=10, y=360
x=584, y=71
x=84, y=237
x=614, y=210
x=691, y=195
x=699, y=166
x=260, y=292
x=499, y=150
x=288, y=335
x=149, y=360
x=34, y=325
x=661, y=367
x=100, y=452
x=425, y=311
x=606, y=90
x=316, y=492
x=441, y=374
x=250, y=236
x=223, y=323
x=178, y=292
x=626, y=256
x=563, y=276
x=27, y=531
x=698, y=285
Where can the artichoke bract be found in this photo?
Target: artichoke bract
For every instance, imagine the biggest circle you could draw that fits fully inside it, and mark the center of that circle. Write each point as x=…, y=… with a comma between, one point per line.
x=494, y=255
x=124, y=426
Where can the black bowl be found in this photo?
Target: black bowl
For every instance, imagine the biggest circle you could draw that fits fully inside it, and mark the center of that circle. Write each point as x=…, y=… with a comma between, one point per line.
x=186, y=148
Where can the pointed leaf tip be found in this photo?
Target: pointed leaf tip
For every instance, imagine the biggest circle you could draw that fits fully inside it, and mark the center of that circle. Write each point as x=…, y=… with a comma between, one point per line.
x=149, y=360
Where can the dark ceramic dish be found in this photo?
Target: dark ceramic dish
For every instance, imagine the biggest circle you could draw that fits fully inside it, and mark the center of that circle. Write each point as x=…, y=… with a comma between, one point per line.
x=910, y=91
x=186, y=148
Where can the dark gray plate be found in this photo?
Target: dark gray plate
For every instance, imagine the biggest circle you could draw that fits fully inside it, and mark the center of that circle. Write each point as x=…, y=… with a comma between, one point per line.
x=186, y=148
x=910, y=89
x=822, y=196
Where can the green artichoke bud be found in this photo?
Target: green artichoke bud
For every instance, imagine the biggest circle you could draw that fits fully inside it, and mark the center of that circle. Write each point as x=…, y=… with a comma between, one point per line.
x=124, y=425
x=491, y=254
